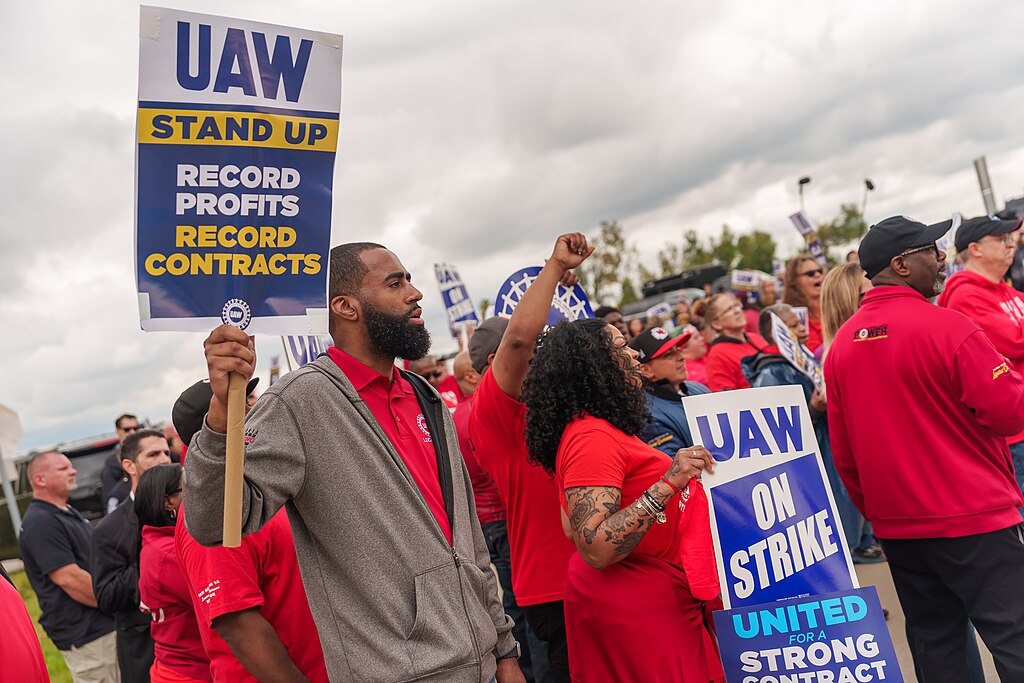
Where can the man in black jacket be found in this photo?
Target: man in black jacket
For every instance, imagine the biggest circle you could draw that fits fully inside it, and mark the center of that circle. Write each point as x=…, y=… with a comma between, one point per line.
x=115, y=574
x=113, y=478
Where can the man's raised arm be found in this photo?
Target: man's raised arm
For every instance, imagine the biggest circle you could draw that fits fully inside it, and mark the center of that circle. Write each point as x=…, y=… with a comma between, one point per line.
x=512, y=360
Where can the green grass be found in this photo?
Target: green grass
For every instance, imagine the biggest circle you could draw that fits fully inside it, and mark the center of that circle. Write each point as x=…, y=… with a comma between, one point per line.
x=54, y=660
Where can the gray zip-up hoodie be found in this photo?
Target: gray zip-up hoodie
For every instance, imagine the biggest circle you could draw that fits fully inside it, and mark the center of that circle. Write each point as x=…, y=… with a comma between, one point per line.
x=391, y=599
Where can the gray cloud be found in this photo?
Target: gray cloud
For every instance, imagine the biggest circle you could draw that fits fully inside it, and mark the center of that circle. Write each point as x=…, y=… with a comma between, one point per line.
x=476, y=133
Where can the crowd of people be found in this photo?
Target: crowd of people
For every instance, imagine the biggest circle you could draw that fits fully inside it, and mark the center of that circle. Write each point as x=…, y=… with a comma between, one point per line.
x=377, y=499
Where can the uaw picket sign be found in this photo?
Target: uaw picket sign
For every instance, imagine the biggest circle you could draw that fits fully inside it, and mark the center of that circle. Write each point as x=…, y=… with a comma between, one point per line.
x=774, y=522
x=567, y=304
x=236, y=136
x=303, y=350
x=838, y=637
x=458, y=307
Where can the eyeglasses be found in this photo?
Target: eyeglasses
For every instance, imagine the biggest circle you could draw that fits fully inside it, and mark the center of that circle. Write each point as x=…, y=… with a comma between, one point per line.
x=812, y=273
x=933, y=247
x=1004, y=239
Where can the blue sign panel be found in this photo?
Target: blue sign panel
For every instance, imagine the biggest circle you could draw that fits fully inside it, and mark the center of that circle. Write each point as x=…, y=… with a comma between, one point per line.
x=458, y=306
x=837, y=637
x=234, y=173
x=779, y=534
x=567, y=304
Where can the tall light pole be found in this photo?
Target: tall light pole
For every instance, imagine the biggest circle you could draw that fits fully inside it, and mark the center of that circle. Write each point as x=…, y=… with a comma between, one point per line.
x=868, y=187
x=800, y=185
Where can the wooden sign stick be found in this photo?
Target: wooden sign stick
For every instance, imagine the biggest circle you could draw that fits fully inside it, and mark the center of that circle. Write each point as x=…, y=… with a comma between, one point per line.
x=234, y=462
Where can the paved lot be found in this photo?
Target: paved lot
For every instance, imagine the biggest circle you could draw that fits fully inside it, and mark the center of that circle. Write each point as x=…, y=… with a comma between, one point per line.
x=878, y=575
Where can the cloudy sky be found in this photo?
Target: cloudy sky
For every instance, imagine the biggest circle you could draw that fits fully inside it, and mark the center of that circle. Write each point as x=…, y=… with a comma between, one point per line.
x=474, y=133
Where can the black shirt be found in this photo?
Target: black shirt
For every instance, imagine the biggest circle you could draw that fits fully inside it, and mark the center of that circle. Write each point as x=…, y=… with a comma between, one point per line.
x=52, y=538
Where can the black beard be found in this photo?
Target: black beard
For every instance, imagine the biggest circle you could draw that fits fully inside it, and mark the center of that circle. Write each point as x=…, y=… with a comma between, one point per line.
x=394, y=336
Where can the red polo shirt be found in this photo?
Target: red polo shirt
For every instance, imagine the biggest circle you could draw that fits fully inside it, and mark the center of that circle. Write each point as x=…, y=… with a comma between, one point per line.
x=393, y=402
x=540, y=550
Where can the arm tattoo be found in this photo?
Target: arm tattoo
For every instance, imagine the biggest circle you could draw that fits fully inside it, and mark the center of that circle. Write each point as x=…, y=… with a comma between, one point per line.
x=594, y=510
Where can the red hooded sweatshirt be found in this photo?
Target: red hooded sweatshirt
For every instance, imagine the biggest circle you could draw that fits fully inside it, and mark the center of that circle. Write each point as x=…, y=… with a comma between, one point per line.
x=919, y=407
x=998, y=308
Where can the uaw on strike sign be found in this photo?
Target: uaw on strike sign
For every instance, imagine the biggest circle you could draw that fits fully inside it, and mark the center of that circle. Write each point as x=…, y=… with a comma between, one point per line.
x=794, y=611
x=237, y=132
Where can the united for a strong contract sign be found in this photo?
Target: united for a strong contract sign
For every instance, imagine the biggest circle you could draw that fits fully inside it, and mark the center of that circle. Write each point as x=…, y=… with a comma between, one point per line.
x=236, y=139
x=776, y=531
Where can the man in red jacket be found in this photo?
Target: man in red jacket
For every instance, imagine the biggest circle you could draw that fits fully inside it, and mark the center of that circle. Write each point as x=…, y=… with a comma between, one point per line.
x=985, y=245
x=919, y=406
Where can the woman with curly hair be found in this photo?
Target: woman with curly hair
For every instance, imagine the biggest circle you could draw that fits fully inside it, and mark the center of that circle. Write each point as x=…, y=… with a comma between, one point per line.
x=802, y=288
x=635, y=593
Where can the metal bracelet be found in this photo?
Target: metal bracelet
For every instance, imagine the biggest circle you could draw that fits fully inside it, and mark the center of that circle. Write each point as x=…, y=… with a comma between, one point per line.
x=646, y=495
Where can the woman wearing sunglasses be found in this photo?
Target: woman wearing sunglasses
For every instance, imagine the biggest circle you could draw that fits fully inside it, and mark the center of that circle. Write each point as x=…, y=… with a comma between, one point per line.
x=802, y=288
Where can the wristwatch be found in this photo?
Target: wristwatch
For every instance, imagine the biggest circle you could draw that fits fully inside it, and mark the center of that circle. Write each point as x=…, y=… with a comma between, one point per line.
x=514, y=653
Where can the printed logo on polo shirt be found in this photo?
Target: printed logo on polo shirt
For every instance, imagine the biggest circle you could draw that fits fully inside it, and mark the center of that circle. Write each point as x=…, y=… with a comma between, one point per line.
x=421, y=422
x=871, y=333
x=1000, y=369
x=660, y=439
x=210, y=592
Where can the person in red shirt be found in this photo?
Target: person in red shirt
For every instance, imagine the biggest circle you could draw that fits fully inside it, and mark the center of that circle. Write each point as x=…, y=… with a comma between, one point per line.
x=985, y=245
x=163, y=592
x=641, y=587
x=365, y=458
x=491, y=512
x=919, y=407
x=732, y=343
x=252, y=610
x=501, y=351
x=20, y=651
x=802, y=287
x=695, y=351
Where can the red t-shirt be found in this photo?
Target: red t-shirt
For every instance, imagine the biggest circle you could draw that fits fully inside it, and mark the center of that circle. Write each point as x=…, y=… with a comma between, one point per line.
x=814, y=335
x=393, y=402
x=723, y=361
x=165, y=595
x=540, y=551
x=263, y=572
x=20, y=652
x=594, y=453
x=489, y=507
x=450, y=392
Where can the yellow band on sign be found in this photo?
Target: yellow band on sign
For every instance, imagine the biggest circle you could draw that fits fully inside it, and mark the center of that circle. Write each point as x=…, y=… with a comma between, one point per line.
x=237, y=129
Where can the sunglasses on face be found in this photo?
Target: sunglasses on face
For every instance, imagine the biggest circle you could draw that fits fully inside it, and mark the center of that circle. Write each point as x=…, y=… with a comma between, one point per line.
x=927, y=247
x=812, y=273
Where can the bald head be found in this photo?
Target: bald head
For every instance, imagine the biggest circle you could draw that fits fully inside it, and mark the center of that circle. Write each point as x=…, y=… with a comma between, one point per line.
x=52, y=476
x=465, y=375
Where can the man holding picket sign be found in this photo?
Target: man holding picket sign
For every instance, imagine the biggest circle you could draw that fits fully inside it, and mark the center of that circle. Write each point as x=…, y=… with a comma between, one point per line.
x=920, y=405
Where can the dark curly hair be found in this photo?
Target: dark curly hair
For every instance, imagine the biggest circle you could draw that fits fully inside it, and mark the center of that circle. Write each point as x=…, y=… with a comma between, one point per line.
x=576, y=370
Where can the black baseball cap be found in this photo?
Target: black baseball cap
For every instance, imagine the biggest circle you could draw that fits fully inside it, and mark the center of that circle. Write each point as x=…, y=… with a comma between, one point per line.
x=973, y=229
x=485, y=341
x=193, y=404
x=656, y=341
x=889, y=238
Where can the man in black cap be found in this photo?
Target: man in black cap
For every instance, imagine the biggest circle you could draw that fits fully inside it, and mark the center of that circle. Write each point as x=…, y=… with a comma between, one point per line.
x=919, y=407
x=985, y=245
x=664, y=369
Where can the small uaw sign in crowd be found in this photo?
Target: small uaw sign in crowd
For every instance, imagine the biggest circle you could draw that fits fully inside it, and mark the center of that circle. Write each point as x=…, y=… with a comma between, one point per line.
x=794, y=611
x=236, y=139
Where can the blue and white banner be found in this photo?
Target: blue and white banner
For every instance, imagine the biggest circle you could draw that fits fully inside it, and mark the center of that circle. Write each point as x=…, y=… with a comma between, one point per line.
x=798, y=355
x=746, y=281
x=567, y=304
x=774, y=522
x=303, y=350
x=236, y=136
x=660, y=311
x=457, y=305
x=838, y=637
